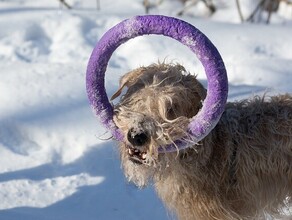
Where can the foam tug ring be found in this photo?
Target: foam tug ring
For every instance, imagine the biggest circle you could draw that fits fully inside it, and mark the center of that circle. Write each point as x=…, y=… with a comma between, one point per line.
x=213, y=106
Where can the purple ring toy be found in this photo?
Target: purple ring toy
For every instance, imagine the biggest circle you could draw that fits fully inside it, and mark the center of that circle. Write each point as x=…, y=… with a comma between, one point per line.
x=213, y=106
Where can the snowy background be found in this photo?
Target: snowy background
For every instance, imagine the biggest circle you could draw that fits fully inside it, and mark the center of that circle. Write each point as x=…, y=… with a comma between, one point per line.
x=54, y=163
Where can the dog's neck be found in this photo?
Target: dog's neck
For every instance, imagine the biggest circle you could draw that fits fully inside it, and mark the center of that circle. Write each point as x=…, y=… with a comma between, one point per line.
x=193, y=167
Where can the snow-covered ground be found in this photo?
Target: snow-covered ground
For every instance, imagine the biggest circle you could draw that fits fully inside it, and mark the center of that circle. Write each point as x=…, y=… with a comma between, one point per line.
x=54, y=163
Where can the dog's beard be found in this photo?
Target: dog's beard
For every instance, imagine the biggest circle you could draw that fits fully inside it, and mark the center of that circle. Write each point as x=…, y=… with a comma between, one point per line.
x=140, y=174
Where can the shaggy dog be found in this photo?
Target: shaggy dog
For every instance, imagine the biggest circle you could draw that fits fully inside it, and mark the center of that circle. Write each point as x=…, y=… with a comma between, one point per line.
x=241, y=170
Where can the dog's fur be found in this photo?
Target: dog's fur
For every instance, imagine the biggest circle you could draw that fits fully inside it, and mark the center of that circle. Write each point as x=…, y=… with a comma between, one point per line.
x=241, y=170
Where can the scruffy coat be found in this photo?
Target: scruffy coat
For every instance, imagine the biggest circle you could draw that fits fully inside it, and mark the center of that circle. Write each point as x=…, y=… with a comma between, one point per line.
x=241, y=170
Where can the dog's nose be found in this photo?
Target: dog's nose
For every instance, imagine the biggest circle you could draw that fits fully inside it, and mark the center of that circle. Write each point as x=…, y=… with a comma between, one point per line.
x=137, y=139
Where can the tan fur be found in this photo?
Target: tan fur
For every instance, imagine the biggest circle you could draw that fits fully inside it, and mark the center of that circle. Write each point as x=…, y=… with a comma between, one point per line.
x=241, y=170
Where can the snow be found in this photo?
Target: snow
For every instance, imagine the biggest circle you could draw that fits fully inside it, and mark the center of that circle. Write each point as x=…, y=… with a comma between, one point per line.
x=54, y=160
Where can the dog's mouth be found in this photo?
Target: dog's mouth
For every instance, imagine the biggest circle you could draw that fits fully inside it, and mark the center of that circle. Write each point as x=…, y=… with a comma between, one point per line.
x=137, y=156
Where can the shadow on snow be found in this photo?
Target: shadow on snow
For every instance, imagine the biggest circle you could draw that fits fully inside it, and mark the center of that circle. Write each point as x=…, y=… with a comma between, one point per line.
x=112, y=199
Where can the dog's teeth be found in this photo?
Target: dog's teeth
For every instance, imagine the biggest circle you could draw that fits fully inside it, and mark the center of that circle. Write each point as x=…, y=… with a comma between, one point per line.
x=130, y=152
x=144, y=156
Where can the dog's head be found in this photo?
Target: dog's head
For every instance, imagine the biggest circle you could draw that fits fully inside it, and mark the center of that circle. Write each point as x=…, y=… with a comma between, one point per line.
x=155, y=110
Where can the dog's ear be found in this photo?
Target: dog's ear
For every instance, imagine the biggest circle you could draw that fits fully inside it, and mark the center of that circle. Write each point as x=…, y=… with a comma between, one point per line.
x=128, y=80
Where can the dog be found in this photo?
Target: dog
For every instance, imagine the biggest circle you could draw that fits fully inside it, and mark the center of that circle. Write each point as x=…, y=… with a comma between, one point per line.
x=241, y=170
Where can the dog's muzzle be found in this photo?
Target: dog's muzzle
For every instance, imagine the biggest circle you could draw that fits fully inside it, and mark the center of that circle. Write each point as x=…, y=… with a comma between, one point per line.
x=137, y=139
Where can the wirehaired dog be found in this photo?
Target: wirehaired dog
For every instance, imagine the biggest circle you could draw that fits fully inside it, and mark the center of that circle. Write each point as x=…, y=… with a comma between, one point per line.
x=241, y=170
